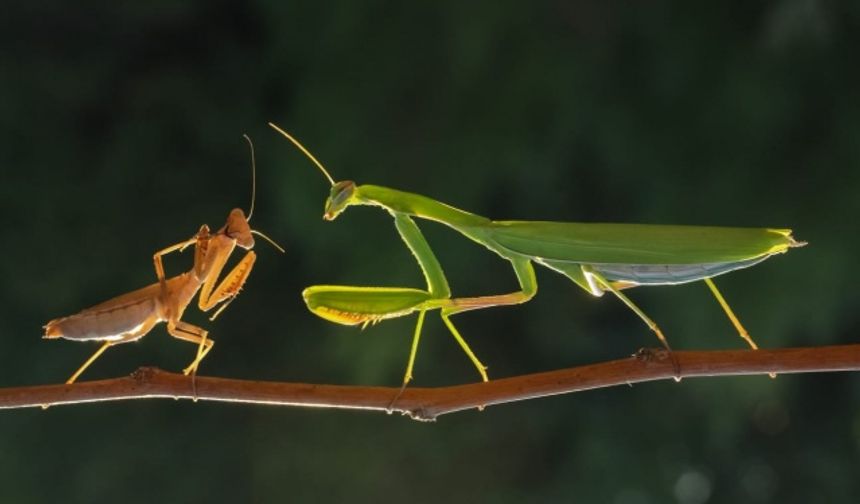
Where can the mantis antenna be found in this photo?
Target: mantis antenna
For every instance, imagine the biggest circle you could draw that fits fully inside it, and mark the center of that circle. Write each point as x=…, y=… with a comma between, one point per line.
x=253, y=176
x=254, y=195
x=259, y=233
x=305, y=151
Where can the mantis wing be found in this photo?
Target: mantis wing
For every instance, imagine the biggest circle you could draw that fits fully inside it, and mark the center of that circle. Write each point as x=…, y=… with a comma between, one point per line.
x=636, y=243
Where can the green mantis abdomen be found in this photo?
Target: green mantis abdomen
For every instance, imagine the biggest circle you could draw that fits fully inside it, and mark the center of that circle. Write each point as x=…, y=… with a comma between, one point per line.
x=669, y=274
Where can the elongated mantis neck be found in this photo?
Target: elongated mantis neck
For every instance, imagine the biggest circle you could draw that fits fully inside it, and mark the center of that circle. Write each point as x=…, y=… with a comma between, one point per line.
x=416, y=205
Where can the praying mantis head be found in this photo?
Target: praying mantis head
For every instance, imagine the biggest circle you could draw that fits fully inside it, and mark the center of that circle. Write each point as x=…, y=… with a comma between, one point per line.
x=343, y=194
x=237, y=226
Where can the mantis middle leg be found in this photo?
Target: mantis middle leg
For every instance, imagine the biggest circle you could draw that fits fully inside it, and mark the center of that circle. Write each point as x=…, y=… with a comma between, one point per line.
x=593, y=276
x=189, y=332
x=437, y=285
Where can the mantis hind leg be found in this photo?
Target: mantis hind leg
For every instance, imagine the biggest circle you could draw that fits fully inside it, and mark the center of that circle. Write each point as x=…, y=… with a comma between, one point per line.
x=528, y=288
x=741, y=331
x=737, y=323
x=89, y=361
x=528, y=285
x=125, y=338
x=605, y=284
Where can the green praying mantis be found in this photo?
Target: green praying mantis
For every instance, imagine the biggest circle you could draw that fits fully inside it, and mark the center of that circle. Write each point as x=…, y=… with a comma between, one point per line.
x=599, y=258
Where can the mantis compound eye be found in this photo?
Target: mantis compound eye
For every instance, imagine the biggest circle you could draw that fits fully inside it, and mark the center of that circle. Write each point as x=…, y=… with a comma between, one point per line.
x=340, y=198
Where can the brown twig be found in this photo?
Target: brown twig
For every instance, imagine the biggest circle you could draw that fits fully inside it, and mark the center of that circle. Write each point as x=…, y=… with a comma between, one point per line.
x=429, y=403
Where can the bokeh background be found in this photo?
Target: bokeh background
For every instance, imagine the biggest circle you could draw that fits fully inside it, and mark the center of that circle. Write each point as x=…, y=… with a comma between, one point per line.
x=120, y=133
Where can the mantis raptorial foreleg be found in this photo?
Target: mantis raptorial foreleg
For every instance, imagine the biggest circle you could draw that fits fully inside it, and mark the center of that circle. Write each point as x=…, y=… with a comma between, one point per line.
x=228, y=288
x=414, y=239
x=437, y=286
x=226, y=291
x=211, y=296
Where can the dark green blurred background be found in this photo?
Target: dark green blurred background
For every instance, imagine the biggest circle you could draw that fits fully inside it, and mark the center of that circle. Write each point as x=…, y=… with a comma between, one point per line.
x=120, y=133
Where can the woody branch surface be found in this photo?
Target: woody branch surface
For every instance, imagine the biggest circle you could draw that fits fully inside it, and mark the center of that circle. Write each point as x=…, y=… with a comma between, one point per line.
x=429, y=403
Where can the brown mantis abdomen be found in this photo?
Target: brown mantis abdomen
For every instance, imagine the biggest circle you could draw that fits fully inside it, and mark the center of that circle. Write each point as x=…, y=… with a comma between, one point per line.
x=124, y=318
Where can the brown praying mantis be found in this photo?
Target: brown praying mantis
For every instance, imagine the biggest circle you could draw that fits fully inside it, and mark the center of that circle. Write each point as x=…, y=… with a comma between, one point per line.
x=131, y=316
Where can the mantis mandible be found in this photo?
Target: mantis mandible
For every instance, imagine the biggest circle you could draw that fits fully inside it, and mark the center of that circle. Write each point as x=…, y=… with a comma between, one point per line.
x=131, y=316
x=599, y=258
